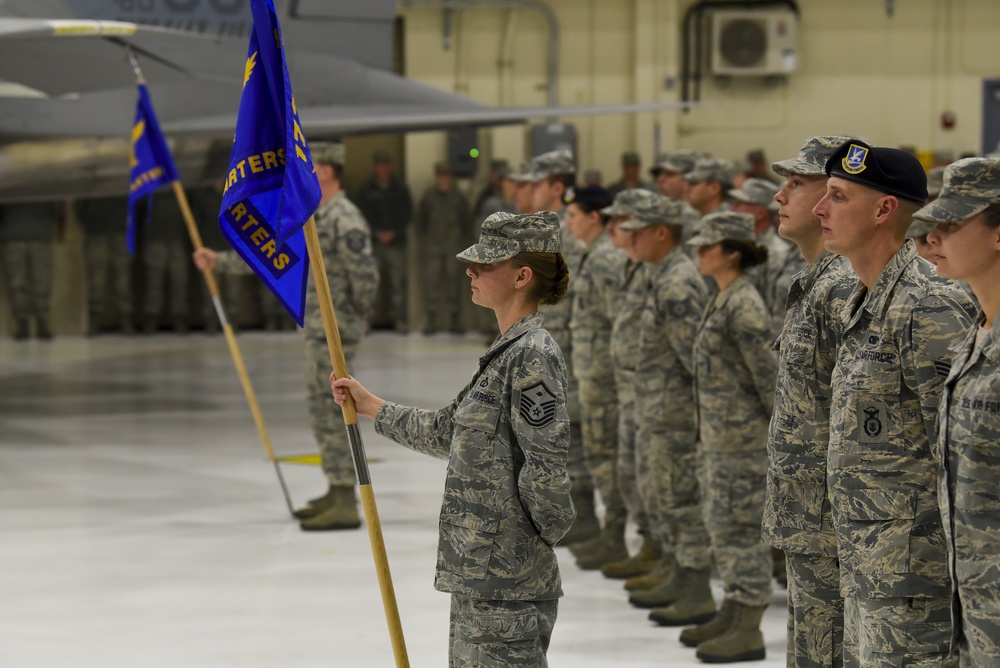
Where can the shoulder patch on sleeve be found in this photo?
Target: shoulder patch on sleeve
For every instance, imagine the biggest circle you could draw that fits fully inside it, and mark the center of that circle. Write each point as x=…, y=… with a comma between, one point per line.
x=537, y=405
x=356, y=240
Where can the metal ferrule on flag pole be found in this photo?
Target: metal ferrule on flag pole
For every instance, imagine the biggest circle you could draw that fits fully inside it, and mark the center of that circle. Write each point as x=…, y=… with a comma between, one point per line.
x=153, y=167
x=270, y=196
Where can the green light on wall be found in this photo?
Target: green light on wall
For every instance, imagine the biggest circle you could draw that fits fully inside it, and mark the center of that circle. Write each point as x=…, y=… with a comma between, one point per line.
x=474, y=153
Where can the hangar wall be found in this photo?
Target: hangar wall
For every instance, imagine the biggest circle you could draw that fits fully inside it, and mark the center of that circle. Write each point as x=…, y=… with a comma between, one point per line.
x=860, y=71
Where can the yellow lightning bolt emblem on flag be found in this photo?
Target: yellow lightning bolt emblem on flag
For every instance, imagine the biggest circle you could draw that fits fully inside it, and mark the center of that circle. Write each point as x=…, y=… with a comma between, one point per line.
x=137, y=131
x=251, y=61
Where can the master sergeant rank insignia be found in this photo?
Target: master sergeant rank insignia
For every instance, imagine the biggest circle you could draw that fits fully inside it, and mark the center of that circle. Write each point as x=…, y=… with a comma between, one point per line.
x=537, y=405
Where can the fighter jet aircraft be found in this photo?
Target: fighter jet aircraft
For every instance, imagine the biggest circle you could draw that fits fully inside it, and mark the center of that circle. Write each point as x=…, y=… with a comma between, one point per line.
x=70, y=96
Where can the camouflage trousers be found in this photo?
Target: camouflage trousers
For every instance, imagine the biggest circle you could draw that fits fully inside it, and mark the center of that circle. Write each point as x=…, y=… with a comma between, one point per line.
x=108, y=263
x=732, y=485
x=27, y=269
x=894, y=632
x=445, y=286
x=667, y=471
x=392, y=274
x=627, y=482
x=815, y=612
x=499, y=634
x=325, y=416
x=166, y=268
x=599, y=424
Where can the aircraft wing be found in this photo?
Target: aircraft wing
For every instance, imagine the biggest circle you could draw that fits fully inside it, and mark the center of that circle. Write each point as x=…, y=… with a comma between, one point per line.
x=86, y=88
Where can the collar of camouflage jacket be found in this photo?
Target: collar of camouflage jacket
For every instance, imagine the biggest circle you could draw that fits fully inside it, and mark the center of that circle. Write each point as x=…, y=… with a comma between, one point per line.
x=877, y=300
x=516, y=331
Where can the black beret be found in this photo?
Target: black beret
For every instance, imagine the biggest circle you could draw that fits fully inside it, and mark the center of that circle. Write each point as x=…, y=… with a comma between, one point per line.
x=889, y=170
x=589, y=198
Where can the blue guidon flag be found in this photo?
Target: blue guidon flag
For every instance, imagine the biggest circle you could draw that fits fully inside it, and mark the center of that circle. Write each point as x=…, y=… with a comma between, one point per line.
x=150, y=162
x=271, y=188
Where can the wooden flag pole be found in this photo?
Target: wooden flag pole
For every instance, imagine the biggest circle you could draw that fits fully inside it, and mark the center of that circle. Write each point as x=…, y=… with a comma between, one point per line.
x=234, y=349
x=357, y=446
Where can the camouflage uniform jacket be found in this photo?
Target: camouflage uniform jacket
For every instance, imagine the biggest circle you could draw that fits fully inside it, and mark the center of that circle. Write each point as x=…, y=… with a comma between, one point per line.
x=596, y=297
x=557, y=316
x=797, y=514
x=675, y=299
x=445, y=221
x=774, y=278
x=735, y=371
x=968, y=459
x=625, y=329
x=891, y=366
x=351, y=269
x=507, y=492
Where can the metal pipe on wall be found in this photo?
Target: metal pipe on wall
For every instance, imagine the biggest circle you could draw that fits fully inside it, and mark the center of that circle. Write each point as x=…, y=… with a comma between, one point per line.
x=533, y=5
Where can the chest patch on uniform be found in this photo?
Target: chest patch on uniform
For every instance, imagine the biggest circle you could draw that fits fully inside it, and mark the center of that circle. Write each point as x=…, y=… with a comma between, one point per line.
x=537, y=405
x=872, y=422
x=356, y=240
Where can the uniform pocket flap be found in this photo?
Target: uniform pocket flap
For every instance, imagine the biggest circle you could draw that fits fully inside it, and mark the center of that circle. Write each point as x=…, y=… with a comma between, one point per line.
x=470, y=515
x=880, y=505
x=500, y=628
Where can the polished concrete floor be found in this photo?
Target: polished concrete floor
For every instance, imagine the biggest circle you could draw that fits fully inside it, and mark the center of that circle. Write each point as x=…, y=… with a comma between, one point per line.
x=141, y=524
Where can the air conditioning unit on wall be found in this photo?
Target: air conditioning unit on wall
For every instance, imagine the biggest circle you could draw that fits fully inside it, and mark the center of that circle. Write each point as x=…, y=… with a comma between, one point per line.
x=750, y=42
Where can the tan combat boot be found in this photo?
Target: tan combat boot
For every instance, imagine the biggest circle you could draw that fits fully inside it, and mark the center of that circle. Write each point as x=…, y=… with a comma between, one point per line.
x=693, y=605
x=654, y=578
x=712, y=629
x=664, y=594
x=315, y=506
x=645, y=561
x=607, y=547
x=742, y=641
x=342, y=513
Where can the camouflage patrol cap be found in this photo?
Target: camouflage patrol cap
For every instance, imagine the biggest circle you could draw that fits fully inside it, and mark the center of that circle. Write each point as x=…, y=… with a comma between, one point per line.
x=658, y=210
x=552, y=163
x=756, y=191
x=812, y=157
x=524, y=173
x=716, y=227
x=970, y=186
x=626, y=201
x=935, y=180
x=631, y=158
x=330, y=152
x=679, y=162
x=504, y=235
x=711, y=169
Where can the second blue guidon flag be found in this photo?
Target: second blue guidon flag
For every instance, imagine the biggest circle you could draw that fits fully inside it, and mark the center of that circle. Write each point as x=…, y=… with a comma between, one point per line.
x=271, y=188
x=151, y=164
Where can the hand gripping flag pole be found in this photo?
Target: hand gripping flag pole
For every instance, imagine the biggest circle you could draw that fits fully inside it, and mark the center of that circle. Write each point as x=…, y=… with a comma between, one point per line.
x=151, y=169
x=267, y=211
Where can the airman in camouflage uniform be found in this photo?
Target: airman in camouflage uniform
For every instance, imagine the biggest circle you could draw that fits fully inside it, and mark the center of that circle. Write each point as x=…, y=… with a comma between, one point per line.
x=165, y=244
x=595, y=304
x=351, y=269
x=966, y=240
x=105, y=251
x=27, y=231
x=784, y=260
x=708, y=183
x=631, y=290
x=445, y=224
x=893, y=359
x=735, y=375
x=507, y=492
x=552, y=174
x=797, y=516
x=666, y=442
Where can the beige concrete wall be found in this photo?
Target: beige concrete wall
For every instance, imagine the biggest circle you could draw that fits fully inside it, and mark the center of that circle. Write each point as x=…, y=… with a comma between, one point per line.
x=860, y=71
